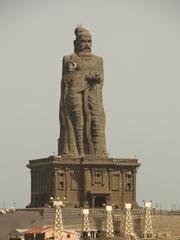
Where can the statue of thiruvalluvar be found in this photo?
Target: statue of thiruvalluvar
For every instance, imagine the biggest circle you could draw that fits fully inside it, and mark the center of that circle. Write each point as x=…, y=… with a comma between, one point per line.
x=82, y=118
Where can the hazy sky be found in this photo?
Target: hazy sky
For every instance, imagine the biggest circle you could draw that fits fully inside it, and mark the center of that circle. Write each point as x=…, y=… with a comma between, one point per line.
x=140, y=44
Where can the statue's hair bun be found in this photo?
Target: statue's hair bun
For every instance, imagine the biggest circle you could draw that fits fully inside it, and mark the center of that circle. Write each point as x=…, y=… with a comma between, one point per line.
x=79, y=31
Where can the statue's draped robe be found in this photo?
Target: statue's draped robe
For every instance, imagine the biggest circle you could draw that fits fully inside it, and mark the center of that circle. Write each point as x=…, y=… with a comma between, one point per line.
x=82, y=118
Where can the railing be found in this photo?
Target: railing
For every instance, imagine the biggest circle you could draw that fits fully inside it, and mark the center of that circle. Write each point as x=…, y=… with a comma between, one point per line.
x=101, y=211
x=84, y=159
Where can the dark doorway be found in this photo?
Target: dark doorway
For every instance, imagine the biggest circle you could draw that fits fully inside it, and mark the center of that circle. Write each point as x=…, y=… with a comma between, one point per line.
x=99, y=201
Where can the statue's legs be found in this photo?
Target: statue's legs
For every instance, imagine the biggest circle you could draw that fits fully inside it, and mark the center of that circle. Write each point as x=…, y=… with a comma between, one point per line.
x=98, y=135
x=97, y=123
x=78, y=120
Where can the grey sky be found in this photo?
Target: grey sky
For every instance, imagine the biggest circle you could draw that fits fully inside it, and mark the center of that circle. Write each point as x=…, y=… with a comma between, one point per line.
x=140, y=44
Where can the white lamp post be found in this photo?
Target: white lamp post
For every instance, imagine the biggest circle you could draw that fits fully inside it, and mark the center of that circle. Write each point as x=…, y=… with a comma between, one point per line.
x=85, y=222
x=58, y=226
x=128, y=220
x=109, y=222
x=148, y=230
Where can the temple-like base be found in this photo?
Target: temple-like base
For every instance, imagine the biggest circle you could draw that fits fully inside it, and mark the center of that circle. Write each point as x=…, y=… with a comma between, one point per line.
x=88, y=181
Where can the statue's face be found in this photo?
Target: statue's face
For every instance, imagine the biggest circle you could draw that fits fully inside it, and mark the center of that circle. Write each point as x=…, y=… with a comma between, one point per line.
x=84, y=44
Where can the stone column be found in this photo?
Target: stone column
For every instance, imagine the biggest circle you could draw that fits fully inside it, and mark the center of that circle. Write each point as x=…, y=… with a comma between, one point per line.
x=67, y=183
x=55, y=183
x=51, y=182
x=109, y=173
x=87, y=182
x=93, y=201
x=107, y=199
x=122, y=184
x=134, y=185
x=33, y=187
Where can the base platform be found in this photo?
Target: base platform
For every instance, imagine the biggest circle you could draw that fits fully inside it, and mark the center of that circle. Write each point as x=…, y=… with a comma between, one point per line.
x=86, y=181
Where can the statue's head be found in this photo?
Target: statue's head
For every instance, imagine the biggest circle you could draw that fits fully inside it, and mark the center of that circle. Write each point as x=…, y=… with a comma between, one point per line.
x=83, y=42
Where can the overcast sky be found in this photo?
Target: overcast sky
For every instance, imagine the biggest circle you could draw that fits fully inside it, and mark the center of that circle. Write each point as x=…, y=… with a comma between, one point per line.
x=140, y=44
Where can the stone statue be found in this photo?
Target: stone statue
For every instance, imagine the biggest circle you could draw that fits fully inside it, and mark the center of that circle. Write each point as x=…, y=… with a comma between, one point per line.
x=82, y=118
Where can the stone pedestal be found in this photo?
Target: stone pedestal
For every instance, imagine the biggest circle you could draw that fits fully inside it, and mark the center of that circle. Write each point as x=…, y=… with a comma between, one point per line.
x=90, y=181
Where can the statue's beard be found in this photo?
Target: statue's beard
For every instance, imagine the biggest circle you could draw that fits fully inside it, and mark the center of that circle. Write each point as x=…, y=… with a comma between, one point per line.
x=84, y=53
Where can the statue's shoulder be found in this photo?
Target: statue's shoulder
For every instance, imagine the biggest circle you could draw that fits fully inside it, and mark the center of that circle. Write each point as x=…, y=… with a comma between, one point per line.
x=68, y=57
x=97, y=58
